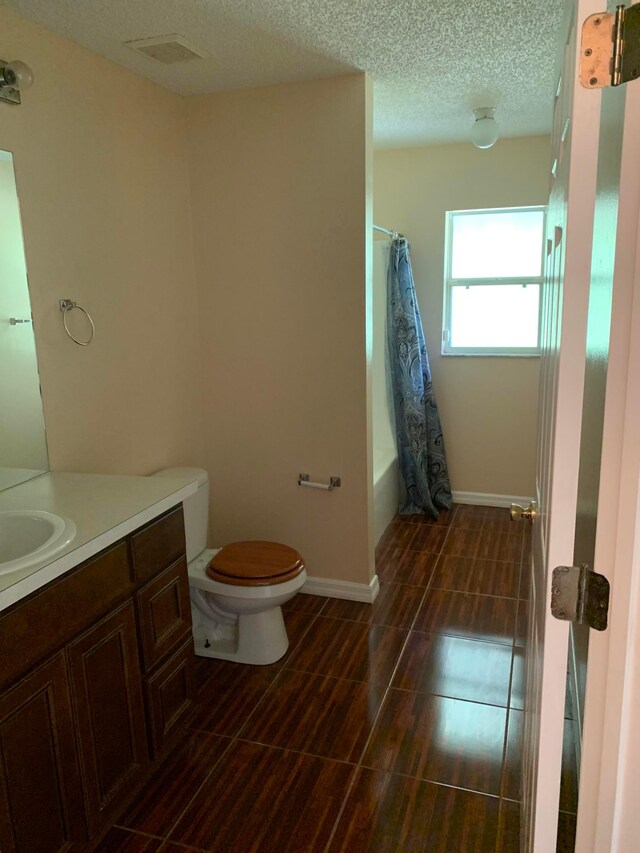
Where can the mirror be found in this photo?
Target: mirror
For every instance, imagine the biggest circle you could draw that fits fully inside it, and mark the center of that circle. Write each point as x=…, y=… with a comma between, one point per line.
x=23, y=445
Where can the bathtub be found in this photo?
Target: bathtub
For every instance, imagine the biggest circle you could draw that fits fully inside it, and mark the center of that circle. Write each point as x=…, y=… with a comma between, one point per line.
x=385, y=488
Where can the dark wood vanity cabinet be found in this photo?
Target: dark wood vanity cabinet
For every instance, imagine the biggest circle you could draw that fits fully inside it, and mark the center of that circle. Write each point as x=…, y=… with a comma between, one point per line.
x=98, y=694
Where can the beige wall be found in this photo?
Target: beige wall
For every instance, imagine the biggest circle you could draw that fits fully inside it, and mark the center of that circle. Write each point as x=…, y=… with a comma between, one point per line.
x=488, y=406
x=101, y=166
x=279, y=182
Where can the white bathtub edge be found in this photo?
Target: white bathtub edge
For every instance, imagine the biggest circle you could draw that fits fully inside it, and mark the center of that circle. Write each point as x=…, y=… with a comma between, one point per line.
x=485, y=499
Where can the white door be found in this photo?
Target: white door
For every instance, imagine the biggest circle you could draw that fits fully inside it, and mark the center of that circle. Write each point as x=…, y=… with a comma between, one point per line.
x=608, y=532
x=568, y=469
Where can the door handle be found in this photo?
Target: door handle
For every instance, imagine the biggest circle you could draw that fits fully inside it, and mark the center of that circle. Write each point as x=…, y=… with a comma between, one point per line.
x=520, y=513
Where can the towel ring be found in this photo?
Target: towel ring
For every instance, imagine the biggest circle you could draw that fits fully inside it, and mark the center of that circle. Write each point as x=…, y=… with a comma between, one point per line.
x=67, y=305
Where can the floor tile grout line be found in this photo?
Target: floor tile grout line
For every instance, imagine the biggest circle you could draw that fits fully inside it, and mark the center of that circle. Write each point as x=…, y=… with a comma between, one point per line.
x=501, y=527
x=513, y=668
x=397, y=664
x=513, y=598
x=469, y=592
x=295, y=751
x=429, y=588
x=122, y=828
x=419, y=779
x=474, y=638
x=362, y=621
x=452, y=698
x=282, y=669
x=430, y=782
x=481, y=559
x=522, y=604
x=343, y=805
x=196, y=730
x=393, y=674
x=200, y=787
x=286, y=610
x=505, y=745
x=427, y=552
x=391, y=686
x=440, y=554
x=235, y=736
x=168, y=844
x=371, y=730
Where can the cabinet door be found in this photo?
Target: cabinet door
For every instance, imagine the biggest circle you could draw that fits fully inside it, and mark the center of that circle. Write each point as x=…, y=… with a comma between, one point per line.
x=170, y=692
x=40, y=795
x=105, y=674
x=165, y=613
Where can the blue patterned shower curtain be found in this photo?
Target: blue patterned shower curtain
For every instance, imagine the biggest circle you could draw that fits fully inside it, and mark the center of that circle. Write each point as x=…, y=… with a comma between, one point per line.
x=421, y=453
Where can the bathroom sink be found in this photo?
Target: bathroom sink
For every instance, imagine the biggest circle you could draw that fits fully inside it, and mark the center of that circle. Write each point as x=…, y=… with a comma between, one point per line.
x=29, y=536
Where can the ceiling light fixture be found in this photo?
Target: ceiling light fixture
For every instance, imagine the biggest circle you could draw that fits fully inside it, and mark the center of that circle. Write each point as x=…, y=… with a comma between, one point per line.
x=14, y=77
x=485, y=130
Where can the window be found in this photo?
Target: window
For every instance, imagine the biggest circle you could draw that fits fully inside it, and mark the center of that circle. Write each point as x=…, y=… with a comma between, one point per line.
x=493, y=276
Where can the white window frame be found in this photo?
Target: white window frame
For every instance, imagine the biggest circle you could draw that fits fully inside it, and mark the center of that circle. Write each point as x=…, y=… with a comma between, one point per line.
x=450, y=282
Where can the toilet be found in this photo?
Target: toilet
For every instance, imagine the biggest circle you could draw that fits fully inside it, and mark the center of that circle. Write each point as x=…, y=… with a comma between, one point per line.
x=236, y=591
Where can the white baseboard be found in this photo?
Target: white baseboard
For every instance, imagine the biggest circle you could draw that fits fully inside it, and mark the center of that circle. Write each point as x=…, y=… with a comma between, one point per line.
x=485, y=499
x=347, y=590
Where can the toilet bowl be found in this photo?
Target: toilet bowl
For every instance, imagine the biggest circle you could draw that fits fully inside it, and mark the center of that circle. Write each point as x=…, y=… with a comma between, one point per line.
x=236, y=591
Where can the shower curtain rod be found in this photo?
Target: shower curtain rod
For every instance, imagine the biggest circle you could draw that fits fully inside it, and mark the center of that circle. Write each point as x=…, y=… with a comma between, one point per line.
x=393, y=234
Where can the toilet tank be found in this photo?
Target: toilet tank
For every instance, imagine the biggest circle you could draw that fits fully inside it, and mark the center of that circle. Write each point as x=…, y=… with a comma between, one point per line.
x=196, y=508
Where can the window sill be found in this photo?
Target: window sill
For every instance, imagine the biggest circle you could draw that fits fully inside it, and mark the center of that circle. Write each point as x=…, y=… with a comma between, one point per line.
x=490, y=354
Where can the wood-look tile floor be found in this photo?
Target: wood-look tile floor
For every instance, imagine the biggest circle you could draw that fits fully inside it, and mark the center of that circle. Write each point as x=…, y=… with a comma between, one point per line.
x=393, y=727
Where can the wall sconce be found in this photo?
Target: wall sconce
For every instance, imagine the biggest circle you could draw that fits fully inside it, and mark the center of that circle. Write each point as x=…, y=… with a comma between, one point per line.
x=485, y=129
x=14, y=77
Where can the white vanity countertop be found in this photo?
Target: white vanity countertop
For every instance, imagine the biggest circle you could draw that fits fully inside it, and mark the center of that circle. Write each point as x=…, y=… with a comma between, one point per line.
x=103, y=507
x=13, y=476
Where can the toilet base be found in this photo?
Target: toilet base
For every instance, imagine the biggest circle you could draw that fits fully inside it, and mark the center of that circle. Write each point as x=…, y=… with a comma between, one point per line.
x=256, y=638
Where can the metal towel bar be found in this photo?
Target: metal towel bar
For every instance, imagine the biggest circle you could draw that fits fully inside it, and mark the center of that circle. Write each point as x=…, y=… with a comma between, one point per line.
x=334, y=483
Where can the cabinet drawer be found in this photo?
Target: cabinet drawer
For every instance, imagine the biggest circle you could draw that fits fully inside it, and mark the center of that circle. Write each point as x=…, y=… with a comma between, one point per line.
x=43, y=623
x=158, y=545
x=170, y=692
x=164, y=608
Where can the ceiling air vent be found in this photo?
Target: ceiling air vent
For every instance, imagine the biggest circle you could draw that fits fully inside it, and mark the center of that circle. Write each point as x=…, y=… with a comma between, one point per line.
x=166, y=49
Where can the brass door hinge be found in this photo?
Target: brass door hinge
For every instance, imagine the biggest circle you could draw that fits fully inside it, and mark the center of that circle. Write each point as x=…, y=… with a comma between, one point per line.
x=610, y=48
x=579, y=594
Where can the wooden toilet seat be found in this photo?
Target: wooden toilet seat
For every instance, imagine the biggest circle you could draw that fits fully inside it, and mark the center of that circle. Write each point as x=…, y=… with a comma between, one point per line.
x=255, y=563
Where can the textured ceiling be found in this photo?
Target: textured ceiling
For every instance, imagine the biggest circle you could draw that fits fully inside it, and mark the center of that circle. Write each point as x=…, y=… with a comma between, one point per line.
x=431, y=62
